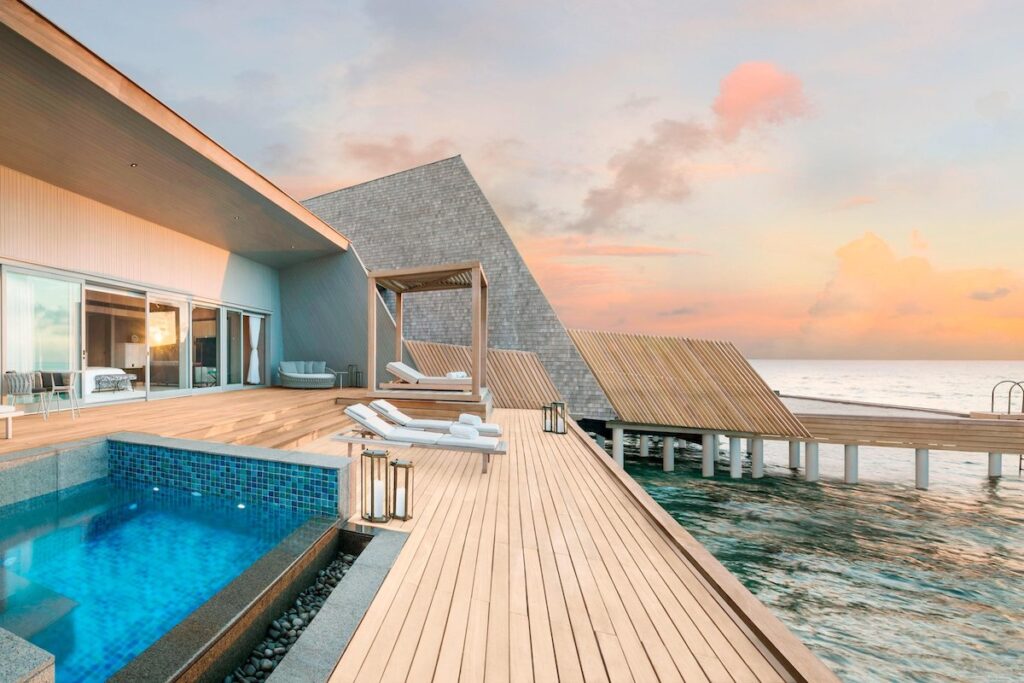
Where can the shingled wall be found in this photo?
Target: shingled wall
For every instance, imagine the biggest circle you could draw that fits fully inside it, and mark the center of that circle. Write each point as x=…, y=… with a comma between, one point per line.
x=437, y=214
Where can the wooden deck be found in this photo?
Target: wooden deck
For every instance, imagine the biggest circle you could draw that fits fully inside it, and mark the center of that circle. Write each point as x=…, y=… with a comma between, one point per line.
x=275, y=418
x=556, y=566
x=875, y=424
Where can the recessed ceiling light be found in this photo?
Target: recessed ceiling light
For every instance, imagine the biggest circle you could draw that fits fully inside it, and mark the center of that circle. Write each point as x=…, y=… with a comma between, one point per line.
x=235, y=217
x=133, y=165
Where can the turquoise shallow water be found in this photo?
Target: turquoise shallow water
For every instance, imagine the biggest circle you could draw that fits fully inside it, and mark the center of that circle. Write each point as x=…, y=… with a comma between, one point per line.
x=884, y=582
x=97, y=573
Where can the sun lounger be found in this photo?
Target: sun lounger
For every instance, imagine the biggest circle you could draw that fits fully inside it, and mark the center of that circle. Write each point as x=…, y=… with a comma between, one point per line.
x=392, y=413
x=374, y=431
x=411, y=378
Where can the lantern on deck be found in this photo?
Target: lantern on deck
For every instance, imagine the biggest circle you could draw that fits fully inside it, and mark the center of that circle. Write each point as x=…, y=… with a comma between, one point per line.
x=554, y=418
x=401, y=482
x=374, y=471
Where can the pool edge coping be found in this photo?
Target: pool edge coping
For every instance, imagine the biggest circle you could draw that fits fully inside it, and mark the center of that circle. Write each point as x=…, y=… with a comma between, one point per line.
x=24, y=661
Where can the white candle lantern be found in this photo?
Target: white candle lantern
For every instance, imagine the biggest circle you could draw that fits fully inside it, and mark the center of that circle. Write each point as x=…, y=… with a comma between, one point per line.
x=401, y=480
x=375, y=478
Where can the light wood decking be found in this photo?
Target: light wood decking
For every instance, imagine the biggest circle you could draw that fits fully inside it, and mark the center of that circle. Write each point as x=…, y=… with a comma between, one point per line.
x=554, y=566
x=276, y=418
x=551, y=567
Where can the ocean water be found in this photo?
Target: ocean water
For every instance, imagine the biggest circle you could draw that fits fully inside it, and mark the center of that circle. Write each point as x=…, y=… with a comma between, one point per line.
x=882, y=581
x=98, y=573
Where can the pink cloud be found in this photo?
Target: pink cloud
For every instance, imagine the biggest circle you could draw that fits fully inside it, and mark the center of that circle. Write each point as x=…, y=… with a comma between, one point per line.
x=660, y=167
x=855, y=201
x=755, y=94
x=397, y=153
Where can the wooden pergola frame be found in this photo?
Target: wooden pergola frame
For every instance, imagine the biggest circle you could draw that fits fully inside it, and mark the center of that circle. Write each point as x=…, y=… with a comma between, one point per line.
x=402, y=281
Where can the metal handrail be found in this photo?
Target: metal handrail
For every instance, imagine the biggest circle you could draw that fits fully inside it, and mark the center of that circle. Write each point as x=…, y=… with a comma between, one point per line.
x=1009, y=395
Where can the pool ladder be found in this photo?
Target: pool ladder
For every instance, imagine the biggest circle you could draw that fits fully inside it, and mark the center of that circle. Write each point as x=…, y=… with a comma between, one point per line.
x=1011, y=385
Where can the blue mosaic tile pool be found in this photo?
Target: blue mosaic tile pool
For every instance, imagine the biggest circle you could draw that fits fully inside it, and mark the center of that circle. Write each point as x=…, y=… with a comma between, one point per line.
x=304, y=488
x=97, y=573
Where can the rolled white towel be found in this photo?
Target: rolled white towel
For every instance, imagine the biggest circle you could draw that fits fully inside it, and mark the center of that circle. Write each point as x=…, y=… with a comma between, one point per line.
x=458, y=374
x=472, y=420
x=463, y=431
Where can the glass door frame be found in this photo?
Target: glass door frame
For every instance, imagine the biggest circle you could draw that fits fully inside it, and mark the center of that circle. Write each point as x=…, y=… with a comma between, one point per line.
x=76, y=361
x=143, y=297
x=221, y=346
x=184, y=305
x=244, y=352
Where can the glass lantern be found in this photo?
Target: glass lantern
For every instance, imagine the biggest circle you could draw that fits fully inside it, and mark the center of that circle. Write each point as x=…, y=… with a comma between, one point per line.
x=401, y=493
x=554, y=418
x=376, y=489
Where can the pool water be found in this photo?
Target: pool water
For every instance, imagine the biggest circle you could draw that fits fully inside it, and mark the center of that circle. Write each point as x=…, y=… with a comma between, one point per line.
x=98, y=573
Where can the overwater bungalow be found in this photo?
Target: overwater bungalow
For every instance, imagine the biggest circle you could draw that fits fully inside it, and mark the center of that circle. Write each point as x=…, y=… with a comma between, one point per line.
x=169, y=511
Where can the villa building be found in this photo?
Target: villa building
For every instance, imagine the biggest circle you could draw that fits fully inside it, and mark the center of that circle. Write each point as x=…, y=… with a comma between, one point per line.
x=133, y=244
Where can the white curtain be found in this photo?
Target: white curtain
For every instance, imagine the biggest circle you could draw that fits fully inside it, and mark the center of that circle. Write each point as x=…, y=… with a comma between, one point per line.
x=254, y=351
x=21, y=324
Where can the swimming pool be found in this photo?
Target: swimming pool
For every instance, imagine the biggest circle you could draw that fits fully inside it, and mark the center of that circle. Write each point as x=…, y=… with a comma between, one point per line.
x=97, y=573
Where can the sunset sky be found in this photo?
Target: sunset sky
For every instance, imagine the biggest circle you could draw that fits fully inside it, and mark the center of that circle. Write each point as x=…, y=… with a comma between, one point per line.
x=837, y=179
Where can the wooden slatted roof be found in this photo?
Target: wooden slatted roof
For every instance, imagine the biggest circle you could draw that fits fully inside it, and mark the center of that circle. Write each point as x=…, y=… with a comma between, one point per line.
x=517, y=379
x=685, y=383
x=429, y=278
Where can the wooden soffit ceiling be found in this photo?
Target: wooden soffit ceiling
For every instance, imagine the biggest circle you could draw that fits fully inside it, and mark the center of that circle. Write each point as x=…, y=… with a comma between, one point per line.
x=72, y=120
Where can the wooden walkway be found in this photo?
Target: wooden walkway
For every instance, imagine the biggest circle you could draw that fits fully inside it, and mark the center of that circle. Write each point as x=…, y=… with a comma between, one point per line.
x=552, y=567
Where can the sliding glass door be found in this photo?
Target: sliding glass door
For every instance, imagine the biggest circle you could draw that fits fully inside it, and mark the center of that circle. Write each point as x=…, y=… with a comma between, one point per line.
x=167, y=336
x=115, y=364
x=205, y=347
x=43, y=325
x=246, y=349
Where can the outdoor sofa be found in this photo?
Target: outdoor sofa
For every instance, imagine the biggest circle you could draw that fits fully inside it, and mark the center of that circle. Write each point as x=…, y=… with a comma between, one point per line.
x=306, y=374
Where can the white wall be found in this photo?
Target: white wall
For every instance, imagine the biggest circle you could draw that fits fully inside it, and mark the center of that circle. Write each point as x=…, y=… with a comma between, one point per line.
x=41, y=224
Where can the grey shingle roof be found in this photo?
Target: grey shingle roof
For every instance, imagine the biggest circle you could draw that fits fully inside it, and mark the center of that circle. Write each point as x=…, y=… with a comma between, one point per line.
x=437, y=214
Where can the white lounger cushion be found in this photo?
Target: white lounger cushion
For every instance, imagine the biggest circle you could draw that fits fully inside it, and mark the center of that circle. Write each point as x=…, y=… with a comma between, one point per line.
x=413, y=376
x=405, y=372
x=463, y=431
x=371, y=421
x=6, y=409
x=488, y=443
x=393, y=413
x=458, y=374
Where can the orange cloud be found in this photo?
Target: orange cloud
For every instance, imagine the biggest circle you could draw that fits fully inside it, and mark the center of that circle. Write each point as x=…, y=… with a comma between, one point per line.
x=878, y=304
x=755, y=94
x=882, y=305
x=580, y=245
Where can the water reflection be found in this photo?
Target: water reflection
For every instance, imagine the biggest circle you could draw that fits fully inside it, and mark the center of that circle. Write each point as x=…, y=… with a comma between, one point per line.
x=882, y=581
